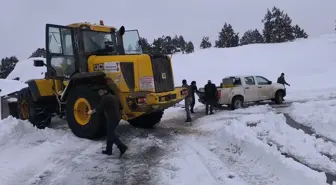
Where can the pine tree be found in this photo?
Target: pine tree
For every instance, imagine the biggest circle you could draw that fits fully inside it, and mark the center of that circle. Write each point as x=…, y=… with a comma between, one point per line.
x=268, y=27
x=251, y=37
x=189, y=47
x=168, y=45
x=158, y=46
x=299, y=33
x=40, y=52
x=175, y=43
x=277, y=26
x=205, y=43
x=181, y=43
x=227, y=37
x=146, y=47
x=7, y=66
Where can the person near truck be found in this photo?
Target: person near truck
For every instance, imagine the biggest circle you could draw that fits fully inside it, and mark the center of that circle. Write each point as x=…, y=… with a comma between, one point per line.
x=194, y=90
x=281, y=80
x=210, y=96
x=187, y=99
x=110, y=104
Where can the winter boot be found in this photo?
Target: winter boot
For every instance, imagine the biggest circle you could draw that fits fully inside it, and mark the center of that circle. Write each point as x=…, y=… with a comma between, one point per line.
x=122, y=150
x=107, y=152
x=188, y=119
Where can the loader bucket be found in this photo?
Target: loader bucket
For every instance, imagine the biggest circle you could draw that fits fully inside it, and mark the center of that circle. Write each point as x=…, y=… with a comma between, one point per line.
x=9, y=108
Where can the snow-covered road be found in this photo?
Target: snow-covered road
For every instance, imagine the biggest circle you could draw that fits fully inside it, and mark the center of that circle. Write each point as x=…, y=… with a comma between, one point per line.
x=248, y=146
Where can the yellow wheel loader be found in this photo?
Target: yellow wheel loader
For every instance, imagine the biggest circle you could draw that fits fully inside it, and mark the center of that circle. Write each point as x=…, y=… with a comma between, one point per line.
x=83, y=58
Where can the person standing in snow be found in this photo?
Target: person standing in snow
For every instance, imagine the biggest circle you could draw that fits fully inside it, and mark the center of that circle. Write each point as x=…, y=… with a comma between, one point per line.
x=187, y=100
x=210, y=96
x=281, y=80
x=110, y=104
x=194, y=89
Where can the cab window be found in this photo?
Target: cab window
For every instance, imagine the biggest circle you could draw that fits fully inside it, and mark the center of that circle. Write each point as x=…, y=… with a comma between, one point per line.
x=61, y=47
x=261, y=80
x=95, y=41
x=249, y=80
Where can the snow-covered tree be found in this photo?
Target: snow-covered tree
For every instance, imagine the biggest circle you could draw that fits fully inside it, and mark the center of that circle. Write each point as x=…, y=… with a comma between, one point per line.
x=277, y=26
x=7, y=66
x=251, y=37
x=205, y=43
x=189, y=47
x=299, y=33
x=227, y=37
x=40, y=52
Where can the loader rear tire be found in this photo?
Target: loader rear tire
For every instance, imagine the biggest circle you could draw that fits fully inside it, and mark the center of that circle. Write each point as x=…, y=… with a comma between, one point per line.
x=32, y=111
x=147, y=120
x=80, y=99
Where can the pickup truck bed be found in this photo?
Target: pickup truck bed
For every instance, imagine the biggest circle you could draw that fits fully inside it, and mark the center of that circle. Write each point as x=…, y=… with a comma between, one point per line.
x=200, y=94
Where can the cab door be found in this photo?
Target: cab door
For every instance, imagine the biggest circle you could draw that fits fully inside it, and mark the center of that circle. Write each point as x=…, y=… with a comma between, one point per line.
x=264, y=88
x=60, y=52
x=250, y=89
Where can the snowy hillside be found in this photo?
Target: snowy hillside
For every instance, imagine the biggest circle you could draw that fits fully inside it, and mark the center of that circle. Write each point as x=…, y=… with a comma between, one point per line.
x=291, y=144
x=308, y=64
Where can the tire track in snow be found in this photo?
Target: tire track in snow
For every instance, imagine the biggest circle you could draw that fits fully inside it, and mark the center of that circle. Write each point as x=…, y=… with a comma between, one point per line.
x=307, y=130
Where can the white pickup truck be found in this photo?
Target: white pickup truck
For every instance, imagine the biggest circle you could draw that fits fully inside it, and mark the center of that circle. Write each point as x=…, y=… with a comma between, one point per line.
x=235, y=91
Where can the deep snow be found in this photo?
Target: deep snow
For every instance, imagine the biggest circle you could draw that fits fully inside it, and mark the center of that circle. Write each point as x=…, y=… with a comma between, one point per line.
x=230, y=147
x=308, y=65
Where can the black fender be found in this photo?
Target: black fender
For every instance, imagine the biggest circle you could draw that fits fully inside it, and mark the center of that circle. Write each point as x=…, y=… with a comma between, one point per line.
x=98, y=80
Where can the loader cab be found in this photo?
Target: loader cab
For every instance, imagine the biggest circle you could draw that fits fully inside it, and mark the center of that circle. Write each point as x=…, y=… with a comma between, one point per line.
x=69, y=47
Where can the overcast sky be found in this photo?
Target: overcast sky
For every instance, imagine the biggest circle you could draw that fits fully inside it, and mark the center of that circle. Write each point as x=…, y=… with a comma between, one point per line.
x=23, y=21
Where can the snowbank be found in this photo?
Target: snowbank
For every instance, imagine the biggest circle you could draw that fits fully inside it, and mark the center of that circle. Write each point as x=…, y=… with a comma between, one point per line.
x=319, y=115
x=233, y=148
x=25, y=70
x=248, y=133
x=308, y=64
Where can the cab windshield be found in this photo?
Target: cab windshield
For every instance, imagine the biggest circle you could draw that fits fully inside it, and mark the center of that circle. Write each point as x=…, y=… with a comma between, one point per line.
x=99, y=42
x=105, y=43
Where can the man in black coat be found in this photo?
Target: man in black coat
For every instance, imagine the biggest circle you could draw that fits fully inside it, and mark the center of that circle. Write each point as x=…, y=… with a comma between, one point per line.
x=110, y=104
x=281, y=80
x=210, y=96
x=194, y=90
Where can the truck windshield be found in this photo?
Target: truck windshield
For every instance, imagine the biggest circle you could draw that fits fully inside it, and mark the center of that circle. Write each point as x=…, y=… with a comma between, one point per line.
x=132, y=42
x=98, y=42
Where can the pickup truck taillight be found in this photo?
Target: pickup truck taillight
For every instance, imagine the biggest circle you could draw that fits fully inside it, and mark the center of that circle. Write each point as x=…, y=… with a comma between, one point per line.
x=218, y=93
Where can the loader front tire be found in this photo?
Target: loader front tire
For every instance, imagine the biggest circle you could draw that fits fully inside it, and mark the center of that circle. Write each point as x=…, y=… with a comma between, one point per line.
x=147, y=120
x=80, y=100
x=32, y=111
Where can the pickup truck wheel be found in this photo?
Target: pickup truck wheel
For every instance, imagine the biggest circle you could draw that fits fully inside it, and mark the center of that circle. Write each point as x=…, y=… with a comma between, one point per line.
x=237, y=103
x=279, y=97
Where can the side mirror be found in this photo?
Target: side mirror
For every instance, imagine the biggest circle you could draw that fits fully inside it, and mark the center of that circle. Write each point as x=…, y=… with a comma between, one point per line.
x=121, y=30
x=39, y=63
x=270, y=82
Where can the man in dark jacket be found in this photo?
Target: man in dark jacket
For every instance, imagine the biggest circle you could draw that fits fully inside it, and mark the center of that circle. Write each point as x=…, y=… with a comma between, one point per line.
x=210, y=96
x=281, y=80
x=194, y=90
x=110, y=104
x=187, y=100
